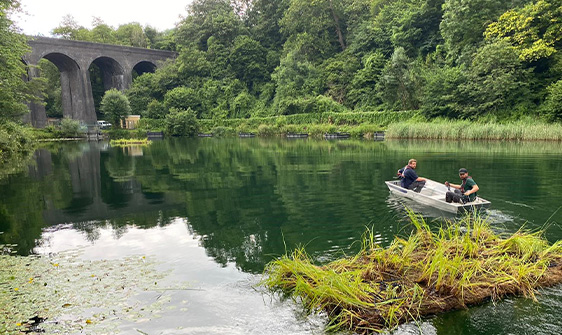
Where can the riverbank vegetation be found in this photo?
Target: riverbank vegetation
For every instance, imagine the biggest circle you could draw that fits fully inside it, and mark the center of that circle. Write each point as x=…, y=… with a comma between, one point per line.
x=242, y=60
x=430, y=271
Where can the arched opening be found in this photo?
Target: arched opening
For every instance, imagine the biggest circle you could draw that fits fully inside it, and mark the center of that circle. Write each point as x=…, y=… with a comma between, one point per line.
x=53, y=95
x=63, y=89
x=143, y=67
x=105, y=73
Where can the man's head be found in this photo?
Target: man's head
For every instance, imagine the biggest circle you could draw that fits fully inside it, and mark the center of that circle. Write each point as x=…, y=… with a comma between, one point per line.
x=412, y=163
x=463, y=173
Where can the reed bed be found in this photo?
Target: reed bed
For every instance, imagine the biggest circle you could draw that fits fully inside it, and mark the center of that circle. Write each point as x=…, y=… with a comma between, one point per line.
x=466, y=130
x=460, y=264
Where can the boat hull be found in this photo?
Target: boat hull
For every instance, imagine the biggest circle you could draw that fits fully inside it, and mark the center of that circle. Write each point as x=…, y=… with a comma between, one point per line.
x=433, y=194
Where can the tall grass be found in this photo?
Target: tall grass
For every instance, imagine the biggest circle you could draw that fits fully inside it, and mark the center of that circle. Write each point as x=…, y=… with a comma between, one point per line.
x=432, y=270
x=467, y=130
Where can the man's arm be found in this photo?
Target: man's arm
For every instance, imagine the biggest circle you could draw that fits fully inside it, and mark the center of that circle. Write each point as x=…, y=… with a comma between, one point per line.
x=458, y=187
x=475, y=189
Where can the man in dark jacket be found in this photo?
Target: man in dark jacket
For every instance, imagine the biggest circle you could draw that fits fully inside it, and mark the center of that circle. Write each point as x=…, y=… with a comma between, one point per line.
x=410, y=179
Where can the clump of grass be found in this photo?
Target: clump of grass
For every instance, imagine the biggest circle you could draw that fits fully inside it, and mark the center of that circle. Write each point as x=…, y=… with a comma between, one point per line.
x=459, y=264
x=126, y=142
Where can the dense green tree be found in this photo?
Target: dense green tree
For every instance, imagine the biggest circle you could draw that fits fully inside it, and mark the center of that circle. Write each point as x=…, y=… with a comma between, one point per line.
x=160, y=40
x=323, y=19
x=363, y=92
x=399, y=83
x=464, y=23
x=497, y=82
x=412, y=24
x=206, y=18
x=339, y=72
x=242, y=105
x=102, y=33
x=441, y=93
x=69, y=29
x=218, y=56
x=248, y=61
x=141, y=93
x=115, y=107
x=263, y=22
x=132, y=34
x=166, y=78
x=193, y=66
x=295, y=77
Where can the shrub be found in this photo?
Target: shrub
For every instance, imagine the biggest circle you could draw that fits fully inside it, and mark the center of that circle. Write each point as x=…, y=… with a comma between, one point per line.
x=182, y=123
x=14, y=140
x=147, y=124
x=266, y=130
x=223, y=131
x=552, y=106
x=69, y=127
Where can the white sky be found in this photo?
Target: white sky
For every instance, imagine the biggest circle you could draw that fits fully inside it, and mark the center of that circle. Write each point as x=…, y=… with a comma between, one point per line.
x=41, y=16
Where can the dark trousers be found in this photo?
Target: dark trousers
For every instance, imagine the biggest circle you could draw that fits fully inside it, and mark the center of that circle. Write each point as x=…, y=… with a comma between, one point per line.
x=456, y=196
x=417, y=186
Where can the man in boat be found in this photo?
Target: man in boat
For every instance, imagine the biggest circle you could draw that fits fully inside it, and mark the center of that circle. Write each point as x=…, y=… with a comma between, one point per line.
x=410, y=179
x=465, y=192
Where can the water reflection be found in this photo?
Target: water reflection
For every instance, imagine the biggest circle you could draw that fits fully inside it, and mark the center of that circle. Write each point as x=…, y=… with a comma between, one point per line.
x=249, y=201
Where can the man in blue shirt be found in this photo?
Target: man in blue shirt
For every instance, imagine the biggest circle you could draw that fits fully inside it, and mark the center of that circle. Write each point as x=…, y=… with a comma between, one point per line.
x=410, y=179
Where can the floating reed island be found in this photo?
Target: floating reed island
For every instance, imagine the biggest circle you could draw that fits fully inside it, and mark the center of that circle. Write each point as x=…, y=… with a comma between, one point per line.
x=459, y=264
x=126, y=142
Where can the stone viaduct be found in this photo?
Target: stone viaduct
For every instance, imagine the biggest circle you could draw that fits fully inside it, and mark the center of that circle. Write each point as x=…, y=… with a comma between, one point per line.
x=74, y=58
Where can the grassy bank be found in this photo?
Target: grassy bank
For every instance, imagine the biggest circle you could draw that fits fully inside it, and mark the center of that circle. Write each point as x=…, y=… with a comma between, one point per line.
x=358, y=124
x=457, y=265
x=467, y=130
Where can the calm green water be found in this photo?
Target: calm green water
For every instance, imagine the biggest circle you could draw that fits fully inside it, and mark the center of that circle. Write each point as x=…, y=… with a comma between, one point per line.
x=215, y=211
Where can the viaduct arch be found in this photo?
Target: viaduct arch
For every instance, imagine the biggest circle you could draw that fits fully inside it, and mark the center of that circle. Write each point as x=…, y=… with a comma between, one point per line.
x=74, y=58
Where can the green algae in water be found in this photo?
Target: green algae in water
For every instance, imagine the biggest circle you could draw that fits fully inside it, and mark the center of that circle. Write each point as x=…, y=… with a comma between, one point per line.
x=66, y=294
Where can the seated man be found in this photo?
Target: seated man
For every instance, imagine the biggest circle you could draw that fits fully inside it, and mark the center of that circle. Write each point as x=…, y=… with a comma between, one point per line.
x=410, y=179
x=465, y=192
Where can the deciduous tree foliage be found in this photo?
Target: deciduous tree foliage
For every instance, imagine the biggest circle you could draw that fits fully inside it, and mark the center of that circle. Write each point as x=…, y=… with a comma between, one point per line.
x=14, y=91
x=535, y=30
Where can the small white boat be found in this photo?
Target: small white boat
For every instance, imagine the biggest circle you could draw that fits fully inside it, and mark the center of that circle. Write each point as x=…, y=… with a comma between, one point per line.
x=433, y=194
